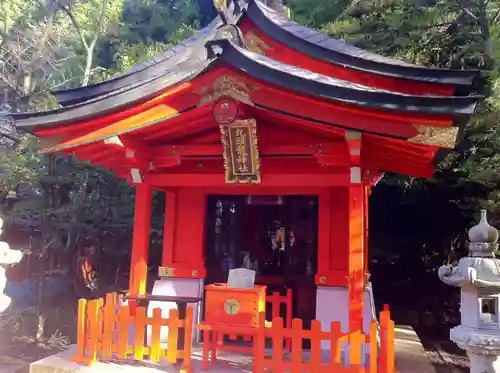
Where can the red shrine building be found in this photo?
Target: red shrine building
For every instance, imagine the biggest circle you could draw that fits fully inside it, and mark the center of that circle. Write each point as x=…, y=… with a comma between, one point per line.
x=266, y=138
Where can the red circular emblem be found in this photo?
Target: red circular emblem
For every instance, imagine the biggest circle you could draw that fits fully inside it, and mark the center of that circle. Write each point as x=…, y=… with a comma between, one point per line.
x=225, y=111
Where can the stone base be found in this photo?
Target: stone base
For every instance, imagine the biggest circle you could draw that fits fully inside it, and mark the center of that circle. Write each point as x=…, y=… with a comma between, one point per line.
x=332, y=304
x=60, y=363
x=480, y=363
x=482, y=346
x=410, y=358
x=175, y=287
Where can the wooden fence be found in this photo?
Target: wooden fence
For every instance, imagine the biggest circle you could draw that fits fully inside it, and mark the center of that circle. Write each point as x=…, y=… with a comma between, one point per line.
x=103, y=332
x=377, y=360
x=104, y=324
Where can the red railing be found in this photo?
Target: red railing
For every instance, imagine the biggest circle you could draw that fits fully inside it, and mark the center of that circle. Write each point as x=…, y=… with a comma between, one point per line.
x=104, y=324
x=377, y=361
x=103, y=332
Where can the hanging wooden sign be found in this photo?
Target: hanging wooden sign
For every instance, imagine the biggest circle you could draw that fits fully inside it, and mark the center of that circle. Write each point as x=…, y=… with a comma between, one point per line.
x=241, y=152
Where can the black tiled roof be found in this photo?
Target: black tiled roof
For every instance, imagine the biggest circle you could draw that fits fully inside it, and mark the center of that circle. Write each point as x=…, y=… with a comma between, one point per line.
x=320, y=46
x=192, y=48
x=285, y=31
x=318, y=85
x=259, y=67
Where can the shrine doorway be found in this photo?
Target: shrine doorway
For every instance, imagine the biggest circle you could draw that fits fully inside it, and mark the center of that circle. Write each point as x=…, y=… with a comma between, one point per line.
x=277, y=236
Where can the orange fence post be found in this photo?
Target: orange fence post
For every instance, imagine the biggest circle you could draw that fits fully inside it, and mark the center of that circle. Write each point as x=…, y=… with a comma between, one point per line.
x=140, y=326
x=289, y=303
x=173, y=331
x=289, y=316
x=259, y=345
x=93, y=309
x=155, y=335
x=316, y=335
x=80, y=332
x=108, y=328
x=123, y=330
x=296, y=345
x=277, y=335
x=356, y=340
x=188, y=339
x=387, y=353
x=275, y=300
x=335, y=335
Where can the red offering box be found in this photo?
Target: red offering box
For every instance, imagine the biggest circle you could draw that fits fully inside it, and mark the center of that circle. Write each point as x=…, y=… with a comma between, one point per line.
x=233, y=306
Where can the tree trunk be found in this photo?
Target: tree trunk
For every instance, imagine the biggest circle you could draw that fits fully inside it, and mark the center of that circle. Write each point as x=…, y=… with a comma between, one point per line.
x=88, y=65
x=40, y=330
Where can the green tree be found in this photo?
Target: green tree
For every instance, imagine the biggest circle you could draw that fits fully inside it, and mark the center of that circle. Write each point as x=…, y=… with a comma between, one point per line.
x=32, y=53
x=90, y=19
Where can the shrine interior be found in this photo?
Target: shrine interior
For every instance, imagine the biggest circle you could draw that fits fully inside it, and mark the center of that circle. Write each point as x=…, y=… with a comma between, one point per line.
x=277, y=236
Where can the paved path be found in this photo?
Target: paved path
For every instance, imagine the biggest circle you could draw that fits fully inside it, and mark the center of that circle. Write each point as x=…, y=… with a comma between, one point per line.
x=8, y=365
x=410, y=354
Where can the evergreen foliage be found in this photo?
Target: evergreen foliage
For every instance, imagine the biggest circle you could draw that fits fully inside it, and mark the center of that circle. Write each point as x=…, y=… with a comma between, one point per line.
x=415, y=226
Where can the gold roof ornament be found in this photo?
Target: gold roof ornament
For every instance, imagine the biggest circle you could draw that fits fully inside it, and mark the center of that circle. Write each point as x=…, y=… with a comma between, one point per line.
x=227, y=86
x=256, y=44
x=220, y=5
x=444, y=137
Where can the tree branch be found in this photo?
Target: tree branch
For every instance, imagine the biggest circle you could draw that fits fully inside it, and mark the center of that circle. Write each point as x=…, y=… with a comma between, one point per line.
x=496, y=17
x=467, y=11
x=75, y=24
x=100, y=23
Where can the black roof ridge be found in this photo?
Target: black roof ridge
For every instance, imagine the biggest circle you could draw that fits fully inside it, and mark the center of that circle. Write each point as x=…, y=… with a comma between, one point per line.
x=271, y=22
x=321, y=46
x=111, y=101
x=157, y=66
x=304, y=81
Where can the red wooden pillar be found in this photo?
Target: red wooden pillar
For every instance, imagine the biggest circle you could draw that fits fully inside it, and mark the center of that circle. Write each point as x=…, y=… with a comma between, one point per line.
x=183, y=240
x=357, y=238
x=366, y=198
x=169, y=228
x=140, y=240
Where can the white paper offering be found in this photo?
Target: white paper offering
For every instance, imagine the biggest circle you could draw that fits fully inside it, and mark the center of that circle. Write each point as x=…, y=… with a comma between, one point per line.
x=241, y=278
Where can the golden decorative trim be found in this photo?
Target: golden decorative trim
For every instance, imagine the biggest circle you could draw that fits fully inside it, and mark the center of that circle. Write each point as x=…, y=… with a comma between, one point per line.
x=232, y=306
x=444, y=137
x=49, y=144
x=256, y=44
x=227, y=86
x=194, y=273
x=166, y=272
x=233, y=175
x=220, y=5
x=322, y=279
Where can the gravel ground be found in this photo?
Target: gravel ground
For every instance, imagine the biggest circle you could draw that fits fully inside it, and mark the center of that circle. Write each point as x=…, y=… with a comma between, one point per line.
x=446, y=357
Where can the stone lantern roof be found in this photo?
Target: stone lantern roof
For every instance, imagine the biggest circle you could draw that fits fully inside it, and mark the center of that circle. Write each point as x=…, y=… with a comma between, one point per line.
x=483, y=238
x=480, y=269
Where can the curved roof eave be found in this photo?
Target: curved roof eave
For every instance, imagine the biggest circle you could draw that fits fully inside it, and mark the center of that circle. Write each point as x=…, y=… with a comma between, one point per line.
x=314, y=84
x=163, y=63
x=112, y=102
x=323, y=47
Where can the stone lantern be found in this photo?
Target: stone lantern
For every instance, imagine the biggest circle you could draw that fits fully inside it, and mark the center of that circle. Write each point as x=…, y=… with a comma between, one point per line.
x=478, y=276
x=8, y=257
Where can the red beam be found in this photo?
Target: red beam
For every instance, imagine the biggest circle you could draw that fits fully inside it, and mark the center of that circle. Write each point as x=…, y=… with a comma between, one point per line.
x=322, y=109
x=268, y=180
x=188, y=150
x=193, y=121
